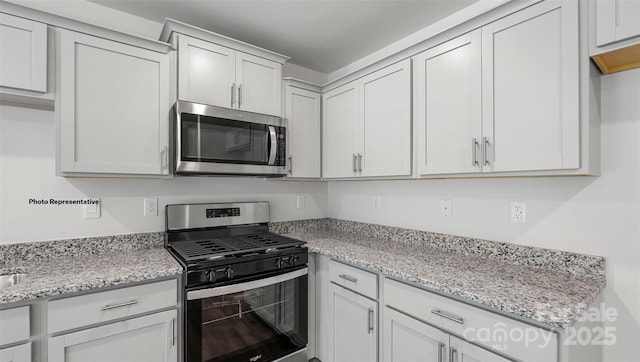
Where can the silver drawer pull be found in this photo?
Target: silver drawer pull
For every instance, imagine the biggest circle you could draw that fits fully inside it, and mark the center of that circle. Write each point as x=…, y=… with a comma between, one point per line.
x=348, y=278
x=450, y=317
x=119, y=305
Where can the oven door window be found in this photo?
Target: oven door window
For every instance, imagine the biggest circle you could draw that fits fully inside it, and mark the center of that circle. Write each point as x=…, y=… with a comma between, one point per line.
x=260, y=324
x=211, y=139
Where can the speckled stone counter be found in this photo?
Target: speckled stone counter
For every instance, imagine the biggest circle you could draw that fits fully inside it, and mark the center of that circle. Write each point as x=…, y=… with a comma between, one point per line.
x=68, y=266
x=549, y=287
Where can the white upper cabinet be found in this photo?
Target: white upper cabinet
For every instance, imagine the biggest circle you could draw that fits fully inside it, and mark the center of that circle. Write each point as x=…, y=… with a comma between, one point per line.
x=259, y=83
x=302, y=111
x=206, y=72
x=616, y=20
x=530, y=78
x=212, y=74
x=341, y=129
x=216, y=70
x=385, y=102
x=112, y=107
x=448, y=106
x=23, y=54
x=367, y=125
x=502, y=98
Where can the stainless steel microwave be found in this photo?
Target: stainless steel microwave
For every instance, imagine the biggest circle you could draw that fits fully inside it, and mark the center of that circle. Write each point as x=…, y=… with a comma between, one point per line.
x=210, y=140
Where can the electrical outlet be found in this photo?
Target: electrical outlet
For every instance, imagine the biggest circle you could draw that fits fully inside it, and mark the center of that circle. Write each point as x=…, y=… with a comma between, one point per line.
x=518, y=212
x=445, y=208
x=91, y=211
x=151, y=207
x=300, y=201
x=376, y=203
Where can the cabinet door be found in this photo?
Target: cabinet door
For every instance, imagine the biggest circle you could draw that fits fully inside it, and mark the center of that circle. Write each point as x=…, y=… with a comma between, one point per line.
x=530, y=89
x=150, y=338
x=206, y=72
x=23, y=54
x=112, y=107
x=616, y=20
x=462, y=351
x=409, y=340
x=341, y=128
x=19, y=353
x=354, y=326
x=448, y=106
x=259, y=84
x=303, y=115
x=386, y=116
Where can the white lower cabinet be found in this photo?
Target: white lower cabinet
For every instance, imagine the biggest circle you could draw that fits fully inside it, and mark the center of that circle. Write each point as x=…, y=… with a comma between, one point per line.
x=136, y=323
x=354, y=326
x=15, y=328
x=407, y=339
x=150, y=338
x=20, y=353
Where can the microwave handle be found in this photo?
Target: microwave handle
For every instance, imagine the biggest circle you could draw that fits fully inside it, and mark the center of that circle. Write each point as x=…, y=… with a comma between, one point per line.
x=273, y=145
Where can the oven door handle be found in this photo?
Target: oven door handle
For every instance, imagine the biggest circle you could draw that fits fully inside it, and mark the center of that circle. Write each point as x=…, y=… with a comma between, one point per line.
x=235, y=288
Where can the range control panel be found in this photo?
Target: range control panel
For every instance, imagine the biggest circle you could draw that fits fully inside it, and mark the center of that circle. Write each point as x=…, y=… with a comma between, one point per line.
x=224, y=212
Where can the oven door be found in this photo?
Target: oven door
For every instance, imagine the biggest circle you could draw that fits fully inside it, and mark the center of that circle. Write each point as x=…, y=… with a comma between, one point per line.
x=258, y=320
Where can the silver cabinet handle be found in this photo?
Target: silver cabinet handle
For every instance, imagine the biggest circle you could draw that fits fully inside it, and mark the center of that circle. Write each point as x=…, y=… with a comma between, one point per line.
x=233, y=95
x=348, y=278
x=359, y=162
x=370, y=321
x=119, y=305
x=173, y=331
x=485, y=151
x=164, y=164
x=239, y=95
x=474, y=152
x=440, y=351
x=355, y=161
x=452, y=354
x=448, y=316
x=290, y=165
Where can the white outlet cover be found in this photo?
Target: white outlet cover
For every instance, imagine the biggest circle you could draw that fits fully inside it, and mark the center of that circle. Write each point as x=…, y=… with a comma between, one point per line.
x=150, y=207
x=518, y=212
x=377, y=203
x=91, y=211
x=300, y=201
x=445, y=208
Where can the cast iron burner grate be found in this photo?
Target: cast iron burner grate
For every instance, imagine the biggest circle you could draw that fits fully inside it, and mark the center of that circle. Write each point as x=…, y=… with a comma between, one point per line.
x=220, y=247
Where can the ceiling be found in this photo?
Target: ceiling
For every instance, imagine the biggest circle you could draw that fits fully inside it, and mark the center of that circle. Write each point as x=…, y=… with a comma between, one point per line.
x=323, y=35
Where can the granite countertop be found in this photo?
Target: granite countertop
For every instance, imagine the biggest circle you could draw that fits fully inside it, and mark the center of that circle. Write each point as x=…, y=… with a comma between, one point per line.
x=78, y=270
x=545, y=296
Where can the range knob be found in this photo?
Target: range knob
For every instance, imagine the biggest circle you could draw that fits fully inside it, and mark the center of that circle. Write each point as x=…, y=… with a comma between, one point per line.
x=210, y=275
x=280, y=263
x=229, y=273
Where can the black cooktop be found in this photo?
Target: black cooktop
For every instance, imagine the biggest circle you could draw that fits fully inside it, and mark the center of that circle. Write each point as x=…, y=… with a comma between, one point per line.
x=232, y=246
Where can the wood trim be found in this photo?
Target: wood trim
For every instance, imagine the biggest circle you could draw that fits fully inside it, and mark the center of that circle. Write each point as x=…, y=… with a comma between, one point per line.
x=618, y=60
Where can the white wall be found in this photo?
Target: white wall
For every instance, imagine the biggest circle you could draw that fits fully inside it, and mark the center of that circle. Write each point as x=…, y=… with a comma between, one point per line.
x=592, y=215
x=27, y=170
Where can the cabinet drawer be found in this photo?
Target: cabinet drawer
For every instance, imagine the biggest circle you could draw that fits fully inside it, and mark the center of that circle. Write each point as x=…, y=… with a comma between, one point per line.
x=14, y=325
x=358, y=280
x=19, y=353
x=100, y=307
x=520, y=340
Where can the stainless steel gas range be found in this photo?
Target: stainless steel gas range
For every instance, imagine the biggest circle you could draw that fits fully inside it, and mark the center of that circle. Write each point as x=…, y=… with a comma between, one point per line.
x=245, y=296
